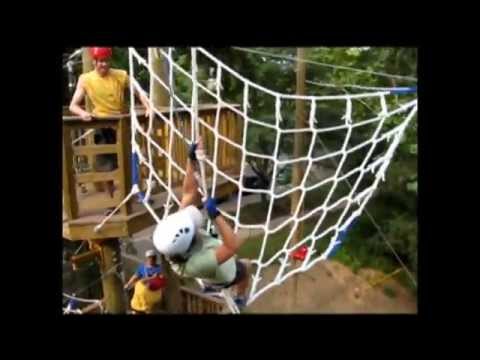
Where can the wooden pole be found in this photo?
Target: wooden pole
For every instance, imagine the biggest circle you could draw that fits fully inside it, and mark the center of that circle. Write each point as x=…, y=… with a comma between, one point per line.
x=87, y=66
x=298, y=171
x=113, y=294
x=161, y=98
x=160, y=67
x=173, y=297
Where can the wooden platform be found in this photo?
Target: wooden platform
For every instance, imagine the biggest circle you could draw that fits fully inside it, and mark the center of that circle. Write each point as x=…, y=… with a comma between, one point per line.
x=93, y=205
x=84, y=211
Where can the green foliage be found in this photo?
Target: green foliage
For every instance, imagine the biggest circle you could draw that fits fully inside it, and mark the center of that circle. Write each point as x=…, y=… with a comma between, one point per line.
x=394, y=209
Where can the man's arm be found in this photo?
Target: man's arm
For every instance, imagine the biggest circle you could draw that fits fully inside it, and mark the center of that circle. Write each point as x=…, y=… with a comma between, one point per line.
x=132, y=280
x=143, y=99
x=77, y=99
x=144, y=102
x=147, y=279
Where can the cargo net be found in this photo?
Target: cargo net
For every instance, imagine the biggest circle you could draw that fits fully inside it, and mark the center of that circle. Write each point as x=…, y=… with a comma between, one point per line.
x=348, y=142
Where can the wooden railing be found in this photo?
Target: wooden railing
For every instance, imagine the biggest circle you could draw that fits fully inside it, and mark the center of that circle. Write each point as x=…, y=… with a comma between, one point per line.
x=228, y=158
x=197, y=303
x=122, y=175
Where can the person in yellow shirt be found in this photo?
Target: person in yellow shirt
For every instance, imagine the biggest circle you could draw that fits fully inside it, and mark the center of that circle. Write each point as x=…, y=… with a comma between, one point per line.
x=106, y=88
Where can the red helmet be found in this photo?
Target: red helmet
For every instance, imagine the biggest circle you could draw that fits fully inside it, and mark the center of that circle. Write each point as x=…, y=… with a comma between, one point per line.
x=100, y=53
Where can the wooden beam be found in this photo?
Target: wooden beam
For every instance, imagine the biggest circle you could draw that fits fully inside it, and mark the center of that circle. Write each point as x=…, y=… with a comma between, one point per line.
x=87, y=66
x=88, y=255
x=89, y=150
x=82, y=232
x=70, y=203
x=141, y=222
x=92, y=160
x=90, y=308
x=124, y=162
x=97, y=176
x=115, y=301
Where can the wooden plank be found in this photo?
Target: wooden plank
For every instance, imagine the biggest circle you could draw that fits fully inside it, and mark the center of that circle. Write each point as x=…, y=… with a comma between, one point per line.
x=239, y=121
x=94, y=124
x=124, y=162
x=75, y=119
x=197, y=307
x=97, y=176
x=109, y=230
x=138, y=223
x=90, y=150
x=189, y=299
x=70, y=203
x=92, y=307
x=223, y=131
x=198, y=294
x=164, y=163
x=97, y=204
x=66, y=231
x=92, y=160
x=78, y=259
x=228, y=128
x=225, y=189
x=158, y=161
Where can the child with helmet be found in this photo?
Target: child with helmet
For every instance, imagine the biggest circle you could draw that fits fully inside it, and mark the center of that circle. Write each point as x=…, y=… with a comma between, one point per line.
x=192, y=251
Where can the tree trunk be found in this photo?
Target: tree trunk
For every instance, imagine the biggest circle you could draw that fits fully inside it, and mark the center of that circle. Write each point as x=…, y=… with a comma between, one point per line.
x=172, y=296
x=298, y=170
x=113, y=294
x=161, y=98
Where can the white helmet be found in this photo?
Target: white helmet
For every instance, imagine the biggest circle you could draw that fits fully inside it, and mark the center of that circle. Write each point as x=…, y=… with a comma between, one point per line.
x=174, y=234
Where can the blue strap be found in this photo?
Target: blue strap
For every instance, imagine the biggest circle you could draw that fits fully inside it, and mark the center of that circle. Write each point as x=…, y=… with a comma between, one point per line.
x=136, y=174
x=403, y=90
x=72, y=304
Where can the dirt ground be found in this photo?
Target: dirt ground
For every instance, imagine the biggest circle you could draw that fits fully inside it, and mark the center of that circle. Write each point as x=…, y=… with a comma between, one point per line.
x=330, y=287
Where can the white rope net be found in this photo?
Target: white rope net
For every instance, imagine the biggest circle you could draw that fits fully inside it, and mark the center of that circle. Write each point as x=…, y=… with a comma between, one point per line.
x=323, y=210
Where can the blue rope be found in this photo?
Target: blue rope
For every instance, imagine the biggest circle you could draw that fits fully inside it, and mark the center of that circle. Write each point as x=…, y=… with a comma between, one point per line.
x=340, y=238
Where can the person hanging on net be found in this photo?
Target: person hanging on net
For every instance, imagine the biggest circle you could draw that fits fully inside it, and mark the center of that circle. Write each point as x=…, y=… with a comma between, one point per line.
x=149, y=282
x=106, y=88
x=191, y=250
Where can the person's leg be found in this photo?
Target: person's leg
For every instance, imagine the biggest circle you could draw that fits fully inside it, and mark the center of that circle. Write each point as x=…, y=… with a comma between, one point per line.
x=242, y=284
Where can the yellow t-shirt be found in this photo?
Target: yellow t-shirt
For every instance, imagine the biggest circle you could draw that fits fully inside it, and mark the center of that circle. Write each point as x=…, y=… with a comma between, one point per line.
x=107, y=93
